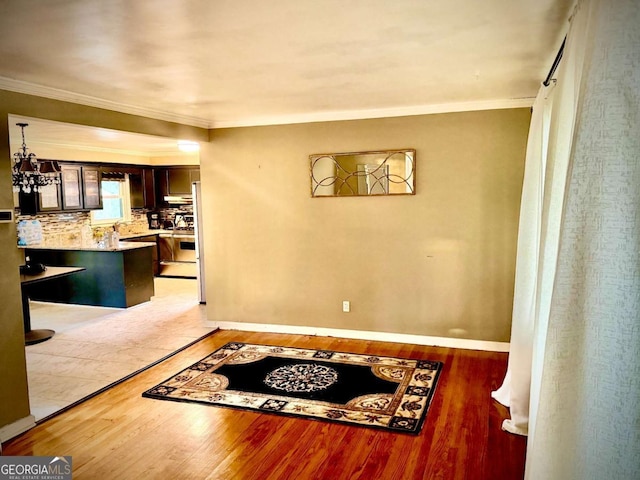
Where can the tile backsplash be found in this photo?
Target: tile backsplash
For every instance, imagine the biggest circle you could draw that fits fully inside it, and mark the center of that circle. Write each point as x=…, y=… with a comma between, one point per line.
x=63, y=228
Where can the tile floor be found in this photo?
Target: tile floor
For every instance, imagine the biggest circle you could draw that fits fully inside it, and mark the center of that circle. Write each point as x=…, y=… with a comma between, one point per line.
x=95, y=346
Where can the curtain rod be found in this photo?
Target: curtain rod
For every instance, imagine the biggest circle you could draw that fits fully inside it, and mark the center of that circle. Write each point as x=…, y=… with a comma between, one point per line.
x=556, y=62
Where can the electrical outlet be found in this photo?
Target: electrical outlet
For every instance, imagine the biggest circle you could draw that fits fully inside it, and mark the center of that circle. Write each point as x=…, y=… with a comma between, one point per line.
x=346, y=306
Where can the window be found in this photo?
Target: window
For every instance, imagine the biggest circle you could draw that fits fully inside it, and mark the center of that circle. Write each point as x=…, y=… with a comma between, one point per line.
x=116, y=205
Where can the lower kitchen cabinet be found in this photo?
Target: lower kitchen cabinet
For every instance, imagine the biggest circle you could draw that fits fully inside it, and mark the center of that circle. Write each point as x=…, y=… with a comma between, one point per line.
x=120, y=277
x=155, y=252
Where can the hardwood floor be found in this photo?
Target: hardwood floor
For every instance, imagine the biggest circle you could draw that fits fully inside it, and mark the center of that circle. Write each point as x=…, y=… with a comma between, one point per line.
x=120, y=435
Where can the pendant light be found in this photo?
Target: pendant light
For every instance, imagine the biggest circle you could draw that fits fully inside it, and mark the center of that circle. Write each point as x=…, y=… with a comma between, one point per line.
x=28, y=175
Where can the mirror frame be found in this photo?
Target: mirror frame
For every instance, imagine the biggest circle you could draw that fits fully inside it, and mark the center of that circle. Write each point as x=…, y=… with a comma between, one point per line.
x=409, y=180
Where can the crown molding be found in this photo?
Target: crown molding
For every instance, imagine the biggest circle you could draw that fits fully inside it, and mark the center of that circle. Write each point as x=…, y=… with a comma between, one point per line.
x=408, y=111
x=19, y=86
x=63, y=95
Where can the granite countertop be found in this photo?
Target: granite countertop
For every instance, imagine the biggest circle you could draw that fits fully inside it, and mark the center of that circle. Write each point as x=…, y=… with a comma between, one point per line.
x=146, y=233
x=122, y=246
x=173, y=233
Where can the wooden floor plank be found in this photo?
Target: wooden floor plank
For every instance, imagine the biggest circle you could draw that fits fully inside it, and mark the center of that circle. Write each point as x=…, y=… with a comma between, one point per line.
x=121, y=435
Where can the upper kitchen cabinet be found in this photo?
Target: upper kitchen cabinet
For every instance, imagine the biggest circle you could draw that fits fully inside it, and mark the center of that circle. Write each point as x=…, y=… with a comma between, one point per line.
x=91, y=188
x=175, y=182
x=48, y=199
x=79, y=189
x=148, y=182
x=142, y=189
x=179, y=180
x=71, y=187
x=136, y=190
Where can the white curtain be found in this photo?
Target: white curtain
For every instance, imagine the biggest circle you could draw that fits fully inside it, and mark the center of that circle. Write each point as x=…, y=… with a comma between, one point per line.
x=561, y=135
x=548, y=151
x=514, y=391
x=585, y=391
x=573, y=380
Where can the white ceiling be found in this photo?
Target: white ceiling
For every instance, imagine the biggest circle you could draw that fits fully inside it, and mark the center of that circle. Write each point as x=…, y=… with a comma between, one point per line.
x=232, y=62
x=213, y=63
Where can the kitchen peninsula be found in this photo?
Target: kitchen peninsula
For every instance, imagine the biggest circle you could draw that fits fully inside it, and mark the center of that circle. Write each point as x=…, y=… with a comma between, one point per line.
x=120, y=276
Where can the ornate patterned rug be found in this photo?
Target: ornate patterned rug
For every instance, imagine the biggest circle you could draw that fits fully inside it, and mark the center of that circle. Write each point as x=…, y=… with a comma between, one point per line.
x=364, y=390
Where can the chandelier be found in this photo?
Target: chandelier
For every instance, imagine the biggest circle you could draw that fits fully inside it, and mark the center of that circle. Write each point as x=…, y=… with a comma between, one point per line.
x=29, y=175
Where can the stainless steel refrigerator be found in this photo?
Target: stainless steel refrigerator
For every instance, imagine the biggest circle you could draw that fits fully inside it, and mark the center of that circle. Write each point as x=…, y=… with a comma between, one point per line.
x=196, y=190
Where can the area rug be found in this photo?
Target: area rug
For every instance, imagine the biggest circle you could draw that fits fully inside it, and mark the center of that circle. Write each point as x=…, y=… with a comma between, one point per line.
x=364, y=390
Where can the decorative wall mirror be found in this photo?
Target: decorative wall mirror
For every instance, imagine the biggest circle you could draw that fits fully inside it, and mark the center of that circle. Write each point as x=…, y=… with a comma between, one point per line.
x=386, y=172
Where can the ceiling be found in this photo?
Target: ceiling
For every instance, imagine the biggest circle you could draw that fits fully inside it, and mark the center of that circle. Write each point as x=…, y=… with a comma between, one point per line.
x=216, y=63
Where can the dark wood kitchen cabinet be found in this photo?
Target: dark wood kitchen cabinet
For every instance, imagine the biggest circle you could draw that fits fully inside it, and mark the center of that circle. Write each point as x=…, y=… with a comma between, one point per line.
x=79, y=189
x=175, y=182
x=148, y=182
x=48, y=199
x=142, y=189
x=91, y=188
x=71, y=187
x=136, y=190
x=179, y=180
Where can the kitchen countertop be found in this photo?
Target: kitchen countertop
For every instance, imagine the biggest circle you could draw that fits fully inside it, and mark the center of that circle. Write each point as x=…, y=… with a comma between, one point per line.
x=122, y=246
x=149, y=233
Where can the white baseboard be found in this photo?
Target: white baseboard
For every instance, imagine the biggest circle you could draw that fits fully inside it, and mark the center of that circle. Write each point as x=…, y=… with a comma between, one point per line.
x=16, y=428
x=366, y=335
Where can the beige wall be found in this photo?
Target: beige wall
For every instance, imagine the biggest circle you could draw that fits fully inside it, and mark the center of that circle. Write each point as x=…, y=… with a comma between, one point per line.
x=14, y=402
x=439, y=263
x=427, y=264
